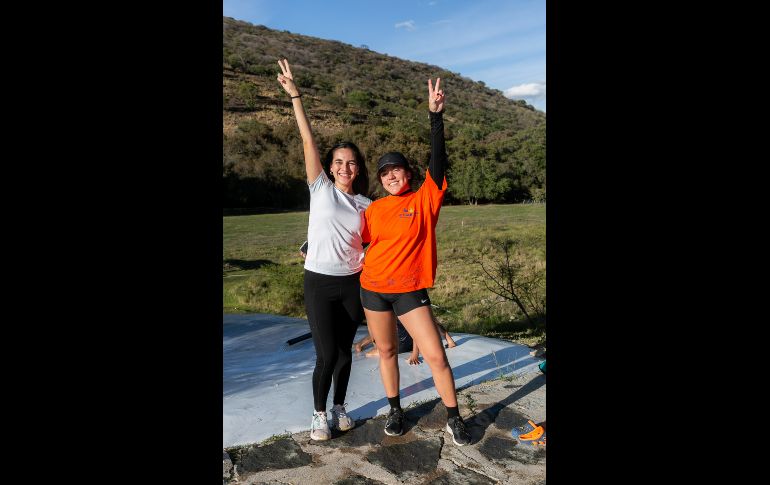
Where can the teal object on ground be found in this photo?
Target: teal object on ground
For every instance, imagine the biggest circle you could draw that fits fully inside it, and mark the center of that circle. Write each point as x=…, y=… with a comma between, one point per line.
x=542, y=366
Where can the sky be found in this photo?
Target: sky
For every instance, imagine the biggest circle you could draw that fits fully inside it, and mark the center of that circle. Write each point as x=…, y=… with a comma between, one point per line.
x=499, y=42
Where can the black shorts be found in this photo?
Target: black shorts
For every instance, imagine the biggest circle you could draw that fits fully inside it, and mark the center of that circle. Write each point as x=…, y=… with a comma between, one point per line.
x=400, y=303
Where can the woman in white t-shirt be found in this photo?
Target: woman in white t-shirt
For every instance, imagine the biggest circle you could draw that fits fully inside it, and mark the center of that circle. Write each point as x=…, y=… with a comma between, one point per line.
x=333, y=263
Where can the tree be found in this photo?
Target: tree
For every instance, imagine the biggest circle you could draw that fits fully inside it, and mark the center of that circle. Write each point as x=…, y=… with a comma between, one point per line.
x=510, y=277
x=360, y=99
x=476, y=179
x=236, y=61
x=248, y=93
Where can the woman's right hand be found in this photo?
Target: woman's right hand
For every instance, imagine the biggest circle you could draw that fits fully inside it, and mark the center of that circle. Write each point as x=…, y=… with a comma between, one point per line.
x=313, y=166
x=286, y=79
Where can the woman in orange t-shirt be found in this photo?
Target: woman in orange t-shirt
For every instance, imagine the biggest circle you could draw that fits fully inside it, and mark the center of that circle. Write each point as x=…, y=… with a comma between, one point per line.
x=400, y=265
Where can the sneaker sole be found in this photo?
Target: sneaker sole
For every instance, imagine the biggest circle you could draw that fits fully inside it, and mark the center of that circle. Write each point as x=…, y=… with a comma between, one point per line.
x=394, y=434
x=453, y=437
x=321, y=439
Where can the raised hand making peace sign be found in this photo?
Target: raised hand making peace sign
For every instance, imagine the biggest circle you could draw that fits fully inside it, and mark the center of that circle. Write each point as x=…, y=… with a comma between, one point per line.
x=435, y=97
x=286, y=79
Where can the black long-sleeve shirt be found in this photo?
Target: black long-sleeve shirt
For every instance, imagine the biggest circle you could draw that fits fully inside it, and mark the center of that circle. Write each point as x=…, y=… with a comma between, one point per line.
x=438, y=158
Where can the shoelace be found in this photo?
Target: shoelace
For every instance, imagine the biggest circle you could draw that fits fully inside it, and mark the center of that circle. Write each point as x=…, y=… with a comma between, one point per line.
x=341, y=411
x=398, y=413
x=318, y=421
x=459, y=425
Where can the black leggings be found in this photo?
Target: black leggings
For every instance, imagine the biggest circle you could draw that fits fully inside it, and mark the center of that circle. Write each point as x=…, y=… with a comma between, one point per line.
x=334, y=311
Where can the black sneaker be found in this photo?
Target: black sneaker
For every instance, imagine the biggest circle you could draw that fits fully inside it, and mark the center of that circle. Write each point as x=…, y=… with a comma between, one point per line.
x=456, y=428
x=394, y=425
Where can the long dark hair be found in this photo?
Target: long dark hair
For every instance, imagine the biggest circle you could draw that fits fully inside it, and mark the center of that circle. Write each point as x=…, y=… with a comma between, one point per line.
x=361, y=183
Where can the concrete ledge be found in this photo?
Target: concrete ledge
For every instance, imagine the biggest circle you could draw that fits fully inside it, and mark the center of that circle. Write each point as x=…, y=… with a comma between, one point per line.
x=494, y=412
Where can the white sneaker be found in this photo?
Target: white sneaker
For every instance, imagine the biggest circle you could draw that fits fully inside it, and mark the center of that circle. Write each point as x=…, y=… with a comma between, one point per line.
x=319, y=428
x=340, y=418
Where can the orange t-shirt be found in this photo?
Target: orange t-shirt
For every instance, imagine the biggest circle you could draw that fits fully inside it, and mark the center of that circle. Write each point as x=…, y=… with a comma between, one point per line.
x=402, y=254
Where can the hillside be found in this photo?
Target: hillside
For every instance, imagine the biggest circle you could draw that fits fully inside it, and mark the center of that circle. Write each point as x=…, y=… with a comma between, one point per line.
x=496, y=146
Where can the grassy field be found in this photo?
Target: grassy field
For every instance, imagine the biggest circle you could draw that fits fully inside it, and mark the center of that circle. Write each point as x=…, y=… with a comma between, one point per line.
x=262, y=268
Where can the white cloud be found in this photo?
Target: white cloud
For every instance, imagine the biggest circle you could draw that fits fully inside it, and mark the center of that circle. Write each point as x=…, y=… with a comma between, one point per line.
x=407, y=24
x=526, y=90
x=532, y=93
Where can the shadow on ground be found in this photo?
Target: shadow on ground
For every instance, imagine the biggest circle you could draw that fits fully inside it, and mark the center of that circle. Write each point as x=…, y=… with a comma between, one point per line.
x=424, y=453
x=510, y=419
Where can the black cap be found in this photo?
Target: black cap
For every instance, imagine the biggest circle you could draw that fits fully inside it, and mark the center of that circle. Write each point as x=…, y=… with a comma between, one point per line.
x=391, y=158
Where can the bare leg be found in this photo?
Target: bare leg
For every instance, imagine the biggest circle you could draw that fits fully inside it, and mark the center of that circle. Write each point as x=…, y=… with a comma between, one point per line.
x=442, y=330
x=420, y=325
x=382, y=328
x=449, y=341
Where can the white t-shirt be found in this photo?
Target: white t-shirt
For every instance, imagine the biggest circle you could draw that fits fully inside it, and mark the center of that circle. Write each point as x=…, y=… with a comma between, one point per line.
x=334, y=229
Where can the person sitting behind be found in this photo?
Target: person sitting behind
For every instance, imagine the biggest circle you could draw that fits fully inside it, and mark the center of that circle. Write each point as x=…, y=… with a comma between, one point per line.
x=405, y=342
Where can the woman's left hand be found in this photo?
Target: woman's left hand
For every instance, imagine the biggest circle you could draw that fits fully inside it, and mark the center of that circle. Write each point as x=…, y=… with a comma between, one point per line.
x=435, y=97
x=414, y=360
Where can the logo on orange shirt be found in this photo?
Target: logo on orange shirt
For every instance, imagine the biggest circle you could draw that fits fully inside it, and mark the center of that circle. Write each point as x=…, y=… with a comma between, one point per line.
x=410, y=212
